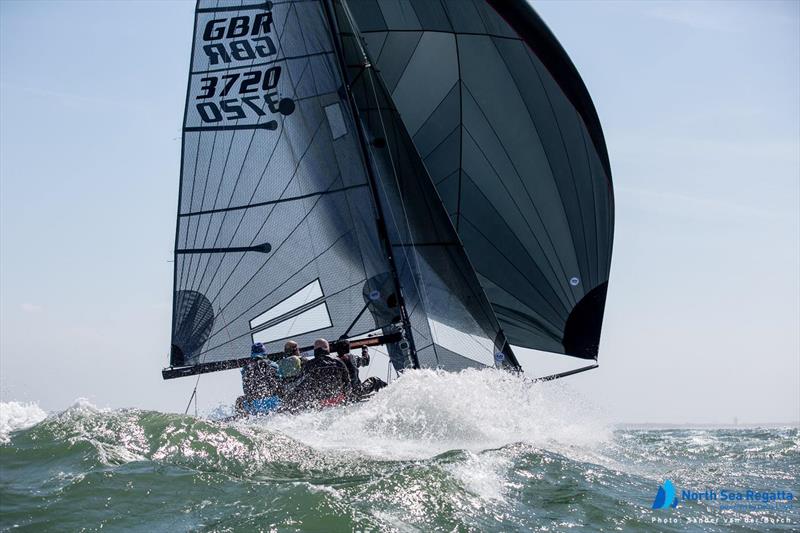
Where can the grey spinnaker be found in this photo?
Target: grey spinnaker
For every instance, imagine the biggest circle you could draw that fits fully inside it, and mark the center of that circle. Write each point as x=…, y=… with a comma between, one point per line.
x=511, y=139
x=279, y=230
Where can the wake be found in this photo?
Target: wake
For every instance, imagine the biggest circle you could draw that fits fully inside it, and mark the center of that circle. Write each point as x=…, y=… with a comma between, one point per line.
x=426, y=413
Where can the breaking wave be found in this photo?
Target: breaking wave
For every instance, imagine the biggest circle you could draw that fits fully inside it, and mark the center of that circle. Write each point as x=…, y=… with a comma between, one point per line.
x=15, y=416
x=473, y=451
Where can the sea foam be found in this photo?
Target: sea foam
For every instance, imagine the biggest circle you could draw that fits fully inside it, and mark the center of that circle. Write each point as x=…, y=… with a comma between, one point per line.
x=427, y=412
x=15, y=416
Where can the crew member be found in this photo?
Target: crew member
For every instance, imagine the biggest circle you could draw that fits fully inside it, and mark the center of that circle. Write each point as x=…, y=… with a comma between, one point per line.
x=352, y=362
x=327, y=380
x=260, y=383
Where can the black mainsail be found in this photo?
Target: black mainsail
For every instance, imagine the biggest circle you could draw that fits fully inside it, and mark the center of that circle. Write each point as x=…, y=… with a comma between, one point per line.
x=312, y=200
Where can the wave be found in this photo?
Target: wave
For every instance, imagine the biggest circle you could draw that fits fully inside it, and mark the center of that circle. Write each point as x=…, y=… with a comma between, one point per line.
x=15, y=416
x=421, y=415
x=477, y=450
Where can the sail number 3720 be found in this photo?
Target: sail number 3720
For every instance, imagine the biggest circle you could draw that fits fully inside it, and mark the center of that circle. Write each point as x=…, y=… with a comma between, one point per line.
x=247, y=102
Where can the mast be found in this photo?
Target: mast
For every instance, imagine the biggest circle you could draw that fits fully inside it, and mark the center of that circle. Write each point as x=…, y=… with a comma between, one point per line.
x=379, y=219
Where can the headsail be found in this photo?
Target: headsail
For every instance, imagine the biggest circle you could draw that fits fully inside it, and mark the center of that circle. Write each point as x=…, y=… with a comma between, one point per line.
x=276, y=229
x=509, y=135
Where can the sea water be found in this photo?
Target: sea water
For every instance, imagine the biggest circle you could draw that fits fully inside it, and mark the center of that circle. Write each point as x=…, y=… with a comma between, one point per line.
x=435, y=451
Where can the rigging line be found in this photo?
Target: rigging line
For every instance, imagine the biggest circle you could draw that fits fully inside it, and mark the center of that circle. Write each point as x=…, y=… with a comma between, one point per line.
x=263, y=224
x=194, y=393
x=569, y=162
x=197, y=381
x=244, y=160
x=560, y=279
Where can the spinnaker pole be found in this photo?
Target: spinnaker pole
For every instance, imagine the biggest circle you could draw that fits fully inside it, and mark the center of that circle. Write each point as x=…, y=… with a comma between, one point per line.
x=380, y=219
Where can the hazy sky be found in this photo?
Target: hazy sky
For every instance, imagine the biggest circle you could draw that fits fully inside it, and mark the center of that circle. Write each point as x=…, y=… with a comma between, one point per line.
x=700, y=103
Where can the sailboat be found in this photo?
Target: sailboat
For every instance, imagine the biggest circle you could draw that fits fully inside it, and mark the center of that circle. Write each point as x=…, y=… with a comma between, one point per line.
x=428, y=175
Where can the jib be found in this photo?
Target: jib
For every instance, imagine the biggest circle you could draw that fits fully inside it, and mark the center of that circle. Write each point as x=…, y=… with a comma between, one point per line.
x=238, y=27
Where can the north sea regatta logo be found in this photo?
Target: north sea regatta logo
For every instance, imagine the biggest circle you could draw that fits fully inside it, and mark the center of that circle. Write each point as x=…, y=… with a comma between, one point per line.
x=665, y=497
x=724, y=498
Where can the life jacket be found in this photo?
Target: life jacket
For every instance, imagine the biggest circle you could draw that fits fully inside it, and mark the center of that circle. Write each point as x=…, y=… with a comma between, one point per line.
x=333, y=400
x=260, y=379
x=261, y=406
x=326, y=378
x=290, y=367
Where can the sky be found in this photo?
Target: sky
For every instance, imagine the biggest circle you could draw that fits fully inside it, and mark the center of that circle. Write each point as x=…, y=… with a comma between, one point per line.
x=700, y=105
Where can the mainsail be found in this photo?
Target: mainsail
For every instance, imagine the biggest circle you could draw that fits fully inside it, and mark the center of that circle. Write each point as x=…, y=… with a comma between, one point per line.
x=275, y=233
x=511, y=139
